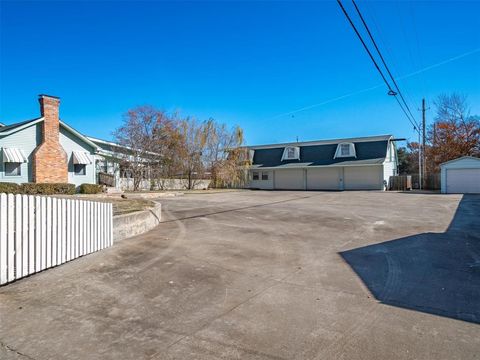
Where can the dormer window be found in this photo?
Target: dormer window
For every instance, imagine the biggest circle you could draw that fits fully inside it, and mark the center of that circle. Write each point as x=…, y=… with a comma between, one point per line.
x=345, y=150
x=291, y=153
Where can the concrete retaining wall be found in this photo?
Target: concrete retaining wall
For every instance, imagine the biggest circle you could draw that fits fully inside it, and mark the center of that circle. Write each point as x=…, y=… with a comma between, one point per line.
x=128, y=225
x=164, y=184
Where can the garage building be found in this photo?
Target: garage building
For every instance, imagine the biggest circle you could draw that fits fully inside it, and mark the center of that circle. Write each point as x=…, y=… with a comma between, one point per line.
x=461, y=176
x=364, y=163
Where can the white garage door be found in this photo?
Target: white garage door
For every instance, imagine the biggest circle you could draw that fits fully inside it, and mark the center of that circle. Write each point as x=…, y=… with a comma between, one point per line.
x=289, y=179
x=323, y=179
x=463, y=181
x=363, y=178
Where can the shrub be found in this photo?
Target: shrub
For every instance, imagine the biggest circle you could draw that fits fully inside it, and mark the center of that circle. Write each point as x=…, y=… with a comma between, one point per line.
x=90, y=189
x=9, y=188
x=47, y=189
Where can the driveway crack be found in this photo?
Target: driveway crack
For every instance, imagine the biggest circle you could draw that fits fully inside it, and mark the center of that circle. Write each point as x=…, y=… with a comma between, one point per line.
x=9, y=348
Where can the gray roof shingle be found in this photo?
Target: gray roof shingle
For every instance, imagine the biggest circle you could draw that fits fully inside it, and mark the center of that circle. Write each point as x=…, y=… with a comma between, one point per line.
x=367, y=152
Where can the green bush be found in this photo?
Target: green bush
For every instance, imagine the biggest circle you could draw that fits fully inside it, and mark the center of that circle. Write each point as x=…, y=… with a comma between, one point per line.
x=47, y=189
x=9, y=188
x=90, y=189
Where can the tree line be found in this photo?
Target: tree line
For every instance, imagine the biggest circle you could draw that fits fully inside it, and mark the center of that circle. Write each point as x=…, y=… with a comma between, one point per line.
x=454, y=133
x=157, y=145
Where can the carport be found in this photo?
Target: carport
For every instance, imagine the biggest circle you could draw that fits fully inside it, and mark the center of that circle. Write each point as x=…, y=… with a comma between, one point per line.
x=461, y=176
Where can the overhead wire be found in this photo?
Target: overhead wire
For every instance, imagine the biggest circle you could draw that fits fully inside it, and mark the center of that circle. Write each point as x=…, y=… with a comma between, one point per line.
x=391, y=91
x=405, y=76
x=383, y=61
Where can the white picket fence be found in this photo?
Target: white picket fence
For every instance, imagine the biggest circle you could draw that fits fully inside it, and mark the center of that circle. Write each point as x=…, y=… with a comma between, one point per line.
x=38, y=232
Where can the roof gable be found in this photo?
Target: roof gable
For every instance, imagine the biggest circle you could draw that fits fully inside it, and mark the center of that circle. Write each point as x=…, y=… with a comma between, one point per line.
x=10, y=129
x=79, y=135
x=324, y=142
x=463, y=158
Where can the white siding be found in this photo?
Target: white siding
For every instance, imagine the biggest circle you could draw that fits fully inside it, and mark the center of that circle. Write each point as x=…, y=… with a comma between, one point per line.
x=290, y=179
x=390, y=165
x=448, y=174
x=72, y=143
x=261, y=184
x=363, y=178
x=323, y=178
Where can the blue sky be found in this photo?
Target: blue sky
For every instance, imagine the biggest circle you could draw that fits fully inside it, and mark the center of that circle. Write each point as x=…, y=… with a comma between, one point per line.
x=245, y=63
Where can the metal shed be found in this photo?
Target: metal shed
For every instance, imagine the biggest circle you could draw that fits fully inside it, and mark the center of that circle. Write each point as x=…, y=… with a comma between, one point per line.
x=461, y=176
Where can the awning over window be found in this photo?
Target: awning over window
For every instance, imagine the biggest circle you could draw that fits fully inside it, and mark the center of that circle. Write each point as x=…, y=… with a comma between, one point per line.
x=14, y=155
x=81, y=157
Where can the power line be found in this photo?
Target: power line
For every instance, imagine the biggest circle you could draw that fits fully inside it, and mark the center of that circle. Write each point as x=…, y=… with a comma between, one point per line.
x=365, y=46
x=406, y=76
x=390, y=90
x=383, y=60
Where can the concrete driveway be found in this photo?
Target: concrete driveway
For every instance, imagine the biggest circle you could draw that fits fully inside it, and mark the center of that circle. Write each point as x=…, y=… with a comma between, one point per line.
x=266, y=275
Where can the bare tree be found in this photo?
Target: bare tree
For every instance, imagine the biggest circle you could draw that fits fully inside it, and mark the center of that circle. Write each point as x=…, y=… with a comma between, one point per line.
x=159, y=146
x=191, y=148
x=224, y=154
x=143, y=136
x=454, y=133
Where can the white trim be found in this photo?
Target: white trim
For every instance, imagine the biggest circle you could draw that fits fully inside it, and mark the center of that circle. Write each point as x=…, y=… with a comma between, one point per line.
x=14, y=155
x=95, y=140
x=81, y=158
x=323, y=142
x=296, y=153
x=21, y=127
x=81, y=136
x=459, y=159
x=351, y=150
x=19, y=167
x=339, y=165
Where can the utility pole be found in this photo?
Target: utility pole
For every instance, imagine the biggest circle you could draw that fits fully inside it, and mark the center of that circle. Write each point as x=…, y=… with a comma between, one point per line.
x=424, y=164
x=419, y=161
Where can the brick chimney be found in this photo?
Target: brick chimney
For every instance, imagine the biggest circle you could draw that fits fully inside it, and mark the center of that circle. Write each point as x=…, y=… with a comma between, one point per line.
x=50, y=163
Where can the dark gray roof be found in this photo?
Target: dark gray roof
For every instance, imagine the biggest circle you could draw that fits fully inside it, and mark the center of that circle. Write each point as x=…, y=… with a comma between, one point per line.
x=13, y=126
x=367, y=152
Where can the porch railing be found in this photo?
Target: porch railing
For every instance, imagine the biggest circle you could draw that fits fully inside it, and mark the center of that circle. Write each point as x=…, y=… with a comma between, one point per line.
x=106, y=179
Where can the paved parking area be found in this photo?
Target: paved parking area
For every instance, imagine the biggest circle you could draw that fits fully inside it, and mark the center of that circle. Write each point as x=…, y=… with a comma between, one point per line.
x=266, y=275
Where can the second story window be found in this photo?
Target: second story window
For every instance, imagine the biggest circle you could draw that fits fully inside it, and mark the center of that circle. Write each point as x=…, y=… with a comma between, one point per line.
x=291, y=153
x=345, y=150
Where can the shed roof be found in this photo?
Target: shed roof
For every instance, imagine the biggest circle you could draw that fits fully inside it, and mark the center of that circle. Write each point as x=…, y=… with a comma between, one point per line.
x=463, y=158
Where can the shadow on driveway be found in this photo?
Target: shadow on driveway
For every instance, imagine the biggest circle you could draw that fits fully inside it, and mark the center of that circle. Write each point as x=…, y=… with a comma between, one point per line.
x=436, y=273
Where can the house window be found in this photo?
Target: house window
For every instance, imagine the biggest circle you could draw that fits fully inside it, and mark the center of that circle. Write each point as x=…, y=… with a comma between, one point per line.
x=255, y=175
x=80, y=169
x=264, y=175
x=291, y=153
x=345, y=150
x=13, y=169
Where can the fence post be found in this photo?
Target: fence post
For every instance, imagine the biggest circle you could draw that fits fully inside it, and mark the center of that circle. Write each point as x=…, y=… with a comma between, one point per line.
x=3, y=239
x=38, y=232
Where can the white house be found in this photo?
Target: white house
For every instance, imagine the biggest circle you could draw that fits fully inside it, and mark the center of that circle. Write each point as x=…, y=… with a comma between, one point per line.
x=364, y=163
x=461, y=176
